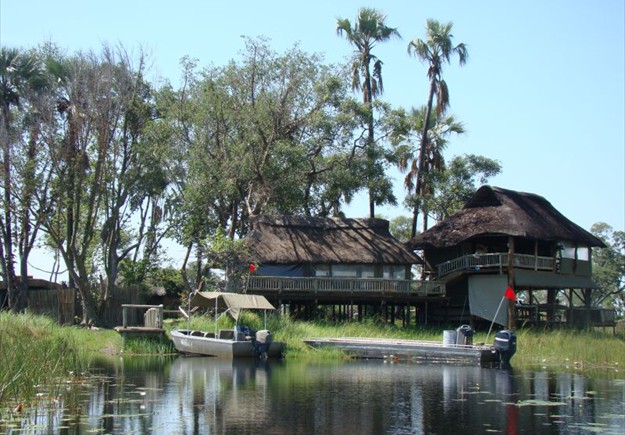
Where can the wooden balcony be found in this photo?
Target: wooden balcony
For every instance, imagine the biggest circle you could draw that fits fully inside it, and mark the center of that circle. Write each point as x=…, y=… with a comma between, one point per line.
x=495, y=261
x=343, y=288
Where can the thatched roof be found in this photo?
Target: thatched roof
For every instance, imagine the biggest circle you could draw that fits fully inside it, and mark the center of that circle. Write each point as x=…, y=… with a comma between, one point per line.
x=288, y=240
x=497, y=211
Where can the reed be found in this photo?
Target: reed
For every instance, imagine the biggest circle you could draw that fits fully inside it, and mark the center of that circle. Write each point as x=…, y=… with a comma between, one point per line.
x=570, y=349
x=34, y=351
x=148, y=346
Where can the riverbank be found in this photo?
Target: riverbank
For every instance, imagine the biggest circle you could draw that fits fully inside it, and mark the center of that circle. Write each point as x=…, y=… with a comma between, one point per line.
x=34, y=350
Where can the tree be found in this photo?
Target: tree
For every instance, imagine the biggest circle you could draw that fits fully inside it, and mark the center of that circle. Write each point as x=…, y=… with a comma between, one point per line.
x=400, y=228
x=435, y=50
x=267, y=133
x=404, y=132
x=94, y=171
x=368, y=30
x=456, y=185
x=608, y=268
x=20, y=73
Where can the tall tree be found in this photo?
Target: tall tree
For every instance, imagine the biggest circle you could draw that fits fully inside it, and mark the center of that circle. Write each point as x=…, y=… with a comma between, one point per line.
x=436, y=50
x=267, y=133
x=405, y=131
x=96, y=173
x=19, y=73
x=368, y=30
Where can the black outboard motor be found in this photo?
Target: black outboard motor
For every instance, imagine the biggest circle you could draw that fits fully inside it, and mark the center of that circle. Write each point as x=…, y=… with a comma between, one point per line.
x=263, y=340
x=505, y=345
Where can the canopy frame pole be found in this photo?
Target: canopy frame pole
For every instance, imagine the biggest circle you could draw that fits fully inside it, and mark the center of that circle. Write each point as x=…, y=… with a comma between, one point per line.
x=216, y=307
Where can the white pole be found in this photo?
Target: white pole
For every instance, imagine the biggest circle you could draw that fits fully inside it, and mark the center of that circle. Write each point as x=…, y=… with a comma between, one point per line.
x=494, y=318
x=216, y=304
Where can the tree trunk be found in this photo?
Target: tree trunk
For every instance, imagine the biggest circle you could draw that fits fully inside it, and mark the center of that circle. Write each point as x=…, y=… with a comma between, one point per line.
x=368, y=97
x=421, y=165
x=8, y=259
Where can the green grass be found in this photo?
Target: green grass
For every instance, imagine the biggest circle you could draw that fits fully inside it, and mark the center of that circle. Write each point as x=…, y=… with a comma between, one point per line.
x=583, y=350
x=34, y=350
x=148, y=346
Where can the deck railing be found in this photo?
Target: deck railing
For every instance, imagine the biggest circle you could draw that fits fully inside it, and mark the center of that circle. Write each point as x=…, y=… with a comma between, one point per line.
x=478, y=262
x=344, y=285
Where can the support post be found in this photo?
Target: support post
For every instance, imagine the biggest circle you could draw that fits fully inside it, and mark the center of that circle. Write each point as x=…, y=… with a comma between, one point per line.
x=511, y=303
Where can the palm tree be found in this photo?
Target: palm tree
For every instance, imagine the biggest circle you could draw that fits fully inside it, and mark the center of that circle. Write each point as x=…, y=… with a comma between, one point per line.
x=18, y=73
x=368, y=30
x=436, y=50
x=438, y=131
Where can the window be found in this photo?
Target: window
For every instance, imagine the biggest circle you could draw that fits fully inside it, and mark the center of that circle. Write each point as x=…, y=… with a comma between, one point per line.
x=344, y=271
x=367, y=271
x=322, y=270
x=574, y=252
x=394, y=272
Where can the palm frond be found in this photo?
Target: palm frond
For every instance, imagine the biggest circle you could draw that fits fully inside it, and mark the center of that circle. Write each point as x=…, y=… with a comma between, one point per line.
x=442, y=98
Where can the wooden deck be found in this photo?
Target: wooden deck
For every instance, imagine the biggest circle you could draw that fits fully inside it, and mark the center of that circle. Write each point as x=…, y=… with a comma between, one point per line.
x=152, y=323
x=342, y=289
x=495, y=262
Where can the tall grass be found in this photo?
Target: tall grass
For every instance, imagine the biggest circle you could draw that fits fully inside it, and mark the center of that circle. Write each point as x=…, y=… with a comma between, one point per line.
x=34, y=350
x=570, y=348
x=148, y=346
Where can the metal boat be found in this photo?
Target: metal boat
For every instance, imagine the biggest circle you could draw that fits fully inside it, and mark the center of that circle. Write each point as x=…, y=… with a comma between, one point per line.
x=239, y=342
x=455, y=351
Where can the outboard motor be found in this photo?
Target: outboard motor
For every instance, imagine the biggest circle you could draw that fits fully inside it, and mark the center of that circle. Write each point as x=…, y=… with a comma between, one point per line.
x=505, y=345
x=263, y=340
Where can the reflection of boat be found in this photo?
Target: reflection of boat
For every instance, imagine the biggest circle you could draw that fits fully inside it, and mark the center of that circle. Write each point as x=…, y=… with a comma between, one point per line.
x=446, y=351
x=240, y=342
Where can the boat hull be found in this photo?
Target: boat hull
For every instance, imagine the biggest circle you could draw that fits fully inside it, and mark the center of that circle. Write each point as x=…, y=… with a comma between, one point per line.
x=410, y=350
x=201, y=343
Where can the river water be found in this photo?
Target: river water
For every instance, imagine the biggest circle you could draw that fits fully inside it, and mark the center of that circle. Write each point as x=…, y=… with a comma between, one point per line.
x=198, y=395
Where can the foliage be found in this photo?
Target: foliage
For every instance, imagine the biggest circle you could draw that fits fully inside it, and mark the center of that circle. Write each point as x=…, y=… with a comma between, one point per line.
x=148, y=346
x=452, y=188
x=400, y=227
x=568, y=349
x=608, y=268
x=368, y=30
x=435, y=50
x=34, y=350
x=21, y=78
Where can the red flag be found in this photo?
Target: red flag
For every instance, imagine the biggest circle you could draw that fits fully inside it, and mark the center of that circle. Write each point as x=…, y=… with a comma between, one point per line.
x=510, y=294
x=252, y=267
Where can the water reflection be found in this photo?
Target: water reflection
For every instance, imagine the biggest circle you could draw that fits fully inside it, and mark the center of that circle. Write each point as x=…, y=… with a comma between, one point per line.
x=197, y=395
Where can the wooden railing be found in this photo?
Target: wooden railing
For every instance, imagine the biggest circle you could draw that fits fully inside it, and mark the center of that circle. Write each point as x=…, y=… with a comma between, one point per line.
x=478, y=262
x=344, y=285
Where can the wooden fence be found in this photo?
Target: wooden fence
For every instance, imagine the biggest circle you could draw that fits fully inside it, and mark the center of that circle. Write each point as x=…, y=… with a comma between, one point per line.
x=59, y=304
x=63, y=305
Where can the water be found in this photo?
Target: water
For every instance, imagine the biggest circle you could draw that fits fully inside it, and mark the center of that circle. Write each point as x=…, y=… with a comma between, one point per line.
x=197, y=395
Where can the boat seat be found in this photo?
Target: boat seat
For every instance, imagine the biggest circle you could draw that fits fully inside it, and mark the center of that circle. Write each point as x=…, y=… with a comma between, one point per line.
x=226, y=334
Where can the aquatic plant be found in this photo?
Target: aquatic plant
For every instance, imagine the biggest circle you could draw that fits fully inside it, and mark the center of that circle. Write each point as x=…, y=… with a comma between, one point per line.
x=34, y=350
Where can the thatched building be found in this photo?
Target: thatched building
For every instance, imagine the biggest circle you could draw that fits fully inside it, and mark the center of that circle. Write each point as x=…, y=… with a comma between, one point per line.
x=333, y=247
x=331, y=261
x=504, y=238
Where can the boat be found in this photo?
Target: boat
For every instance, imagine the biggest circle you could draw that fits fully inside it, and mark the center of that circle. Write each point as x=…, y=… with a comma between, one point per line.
x=239, y=342
x=456, y=351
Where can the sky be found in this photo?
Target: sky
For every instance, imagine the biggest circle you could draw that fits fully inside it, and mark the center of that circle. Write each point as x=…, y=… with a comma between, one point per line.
x=543, y=91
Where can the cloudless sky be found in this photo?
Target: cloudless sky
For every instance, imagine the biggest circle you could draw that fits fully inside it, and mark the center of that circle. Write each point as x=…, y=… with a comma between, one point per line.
x=543, y=91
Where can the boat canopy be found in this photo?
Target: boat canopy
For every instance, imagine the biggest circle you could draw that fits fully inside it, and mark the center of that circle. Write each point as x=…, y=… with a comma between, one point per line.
x=233, y=302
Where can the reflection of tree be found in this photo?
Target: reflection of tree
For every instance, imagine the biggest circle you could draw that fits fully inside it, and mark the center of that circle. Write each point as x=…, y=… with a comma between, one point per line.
x=210, y=395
